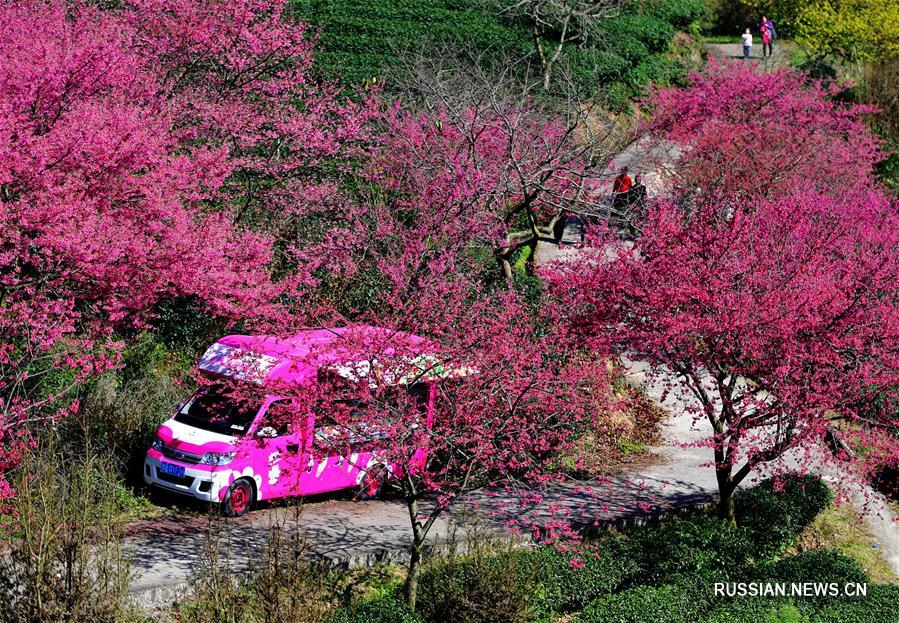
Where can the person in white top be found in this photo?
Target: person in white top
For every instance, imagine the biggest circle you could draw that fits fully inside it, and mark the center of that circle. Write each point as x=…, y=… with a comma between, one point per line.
x=747, y=43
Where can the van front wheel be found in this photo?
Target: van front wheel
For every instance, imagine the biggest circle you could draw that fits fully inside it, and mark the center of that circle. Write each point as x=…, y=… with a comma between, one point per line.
x=239, y=498
x=373, y=482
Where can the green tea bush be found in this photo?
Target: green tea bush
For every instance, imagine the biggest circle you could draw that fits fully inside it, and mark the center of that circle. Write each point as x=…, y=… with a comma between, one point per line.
x=625, y=29
x=571, y=580
x=880, y=605
x=481, y=588
x=360, y=39
x=816, y=565
x=686, y=547
x=681, y=14
x=794, y=503
x=755, y=610
x=387, y=609
x=643, y=604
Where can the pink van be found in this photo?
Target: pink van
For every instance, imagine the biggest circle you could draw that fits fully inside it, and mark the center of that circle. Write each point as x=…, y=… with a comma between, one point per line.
x=235, y=453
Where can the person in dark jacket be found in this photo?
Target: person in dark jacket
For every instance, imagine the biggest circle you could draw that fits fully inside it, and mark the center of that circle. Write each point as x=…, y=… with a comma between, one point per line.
x=636, y=203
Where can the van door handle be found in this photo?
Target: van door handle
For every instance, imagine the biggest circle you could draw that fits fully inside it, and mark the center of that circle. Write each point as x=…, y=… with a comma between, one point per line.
x=293, y=448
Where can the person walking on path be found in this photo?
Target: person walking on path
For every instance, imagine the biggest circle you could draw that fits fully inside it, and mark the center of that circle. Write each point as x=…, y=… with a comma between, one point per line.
x=747, y=44
x=766, y=44
x=620, y=189
x=622, y=183
x=637, y=200
x=768, y=36
x=768, y=25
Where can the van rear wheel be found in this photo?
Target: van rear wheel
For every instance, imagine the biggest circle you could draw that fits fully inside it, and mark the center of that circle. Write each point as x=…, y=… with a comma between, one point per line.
x=239, y=498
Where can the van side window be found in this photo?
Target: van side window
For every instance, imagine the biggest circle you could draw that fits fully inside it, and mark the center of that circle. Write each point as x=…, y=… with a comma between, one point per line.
x=280, y=415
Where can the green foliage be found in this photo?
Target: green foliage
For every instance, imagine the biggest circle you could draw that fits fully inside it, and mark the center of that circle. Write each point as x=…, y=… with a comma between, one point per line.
x=481, y=588
x=787, y=613
x=361, y=39
x=820, y=565
x=854, y=30
x=888, y=171
x=683, y=548
x=184, y=324
x=879, y=605
x=634, y=35
x=681, y=14
x=643, y=604
x=573, y=579
x=794, y=501
x=750, y=610
x=121, y=410
x=387, y=609
x=67, y=561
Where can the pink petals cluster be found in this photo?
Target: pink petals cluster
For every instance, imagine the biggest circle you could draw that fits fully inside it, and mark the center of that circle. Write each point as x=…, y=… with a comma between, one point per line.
x=747, y=133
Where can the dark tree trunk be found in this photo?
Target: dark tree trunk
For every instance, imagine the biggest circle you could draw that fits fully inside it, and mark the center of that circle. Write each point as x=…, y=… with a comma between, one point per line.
x=410, y=588
x=726, y=505
x=724, y=476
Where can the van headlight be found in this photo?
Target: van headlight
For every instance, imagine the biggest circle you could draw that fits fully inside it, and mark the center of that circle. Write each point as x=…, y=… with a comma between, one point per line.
x=158, y=444
x=217, y=458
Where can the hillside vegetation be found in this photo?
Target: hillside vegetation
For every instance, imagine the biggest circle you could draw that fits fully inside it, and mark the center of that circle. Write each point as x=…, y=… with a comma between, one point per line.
x=360, y=39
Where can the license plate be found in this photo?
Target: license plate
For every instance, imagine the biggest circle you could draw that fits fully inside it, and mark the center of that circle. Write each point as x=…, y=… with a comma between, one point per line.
x=171, y=469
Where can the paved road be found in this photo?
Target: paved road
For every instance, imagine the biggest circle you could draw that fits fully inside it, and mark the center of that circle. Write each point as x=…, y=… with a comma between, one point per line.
x=730, y=51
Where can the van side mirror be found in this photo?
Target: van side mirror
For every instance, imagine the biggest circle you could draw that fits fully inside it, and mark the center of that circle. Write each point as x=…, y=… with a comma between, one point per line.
x=266, y=432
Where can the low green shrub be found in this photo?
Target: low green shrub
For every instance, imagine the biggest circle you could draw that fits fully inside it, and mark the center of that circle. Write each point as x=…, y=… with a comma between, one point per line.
x=756, y=610
x=794, y=501
x=880, y=605
x=481, y=588
x=786, y=613
x=571, y=580
x=702, y=545
x=643, y=604
x=681, y=14
x=386, y=609
x=816, y=565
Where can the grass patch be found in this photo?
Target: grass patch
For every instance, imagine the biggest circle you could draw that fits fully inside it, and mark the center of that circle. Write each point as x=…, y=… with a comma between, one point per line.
x=841, y=528
x=721, y=39
x=135, y=506
x=628, y=447
x=521, y=264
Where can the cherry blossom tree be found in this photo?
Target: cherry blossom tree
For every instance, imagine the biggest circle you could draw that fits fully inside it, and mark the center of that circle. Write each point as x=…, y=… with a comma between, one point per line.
x=488, y=149
x=135, y=143
x=512, y=391
x=742, y=133
x=772, y=297
x=506, y=403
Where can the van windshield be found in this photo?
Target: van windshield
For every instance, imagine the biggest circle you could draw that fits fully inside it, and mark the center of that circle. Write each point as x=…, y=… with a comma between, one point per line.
x=214, y=410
